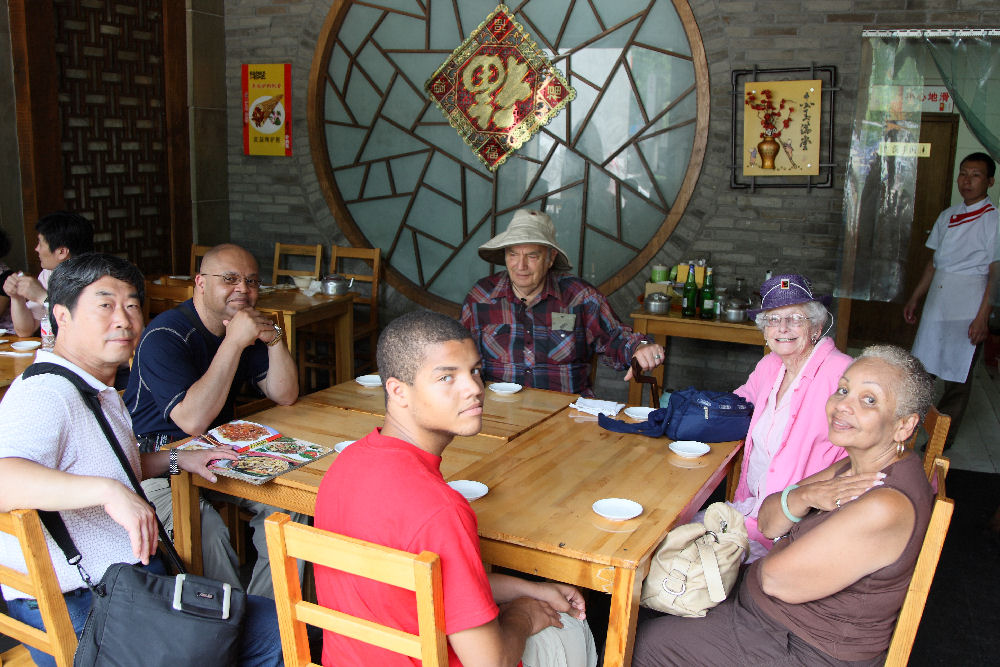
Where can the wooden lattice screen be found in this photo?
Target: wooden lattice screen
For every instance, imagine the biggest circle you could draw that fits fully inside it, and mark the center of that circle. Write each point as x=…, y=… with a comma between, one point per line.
x=110, y=70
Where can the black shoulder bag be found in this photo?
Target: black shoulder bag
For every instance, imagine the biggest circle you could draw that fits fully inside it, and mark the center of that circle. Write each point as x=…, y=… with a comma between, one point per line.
x=141, y=618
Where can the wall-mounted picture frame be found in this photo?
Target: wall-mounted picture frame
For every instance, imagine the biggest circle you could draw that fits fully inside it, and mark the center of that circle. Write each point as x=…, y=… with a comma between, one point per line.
x=783, y=127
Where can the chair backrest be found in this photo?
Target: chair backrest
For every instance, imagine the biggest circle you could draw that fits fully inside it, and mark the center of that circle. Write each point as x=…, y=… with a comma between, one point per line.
x=284, y=250
x=937, y=426
x=39, y=581
x=371, y=256
x=197, y=252
x=923, y=573
x=160, y=298
x=287, y=541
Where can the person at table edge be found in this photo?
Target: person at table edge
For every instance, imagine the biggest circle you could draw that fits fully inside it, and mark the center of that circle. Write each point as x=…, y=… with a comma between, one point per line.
x=431, y=376
x=61, y=235
x=55, y=456
x=538, y=325
x=187, y=370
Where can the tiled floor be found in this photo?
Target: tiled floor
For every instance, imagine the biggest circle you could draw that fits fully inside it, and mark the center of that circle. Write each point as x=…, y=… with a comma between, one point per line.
x=977, y=445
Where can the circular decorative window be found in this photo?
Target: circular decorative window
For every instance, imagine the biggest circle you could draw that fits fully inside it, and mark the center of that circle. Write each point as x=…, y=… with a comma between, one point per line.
x=614, y=169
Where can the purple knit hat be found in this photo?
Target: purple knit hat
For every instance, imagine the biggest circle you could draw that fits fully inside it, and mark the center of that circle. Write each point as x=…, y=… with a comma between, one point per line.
x=788, y=289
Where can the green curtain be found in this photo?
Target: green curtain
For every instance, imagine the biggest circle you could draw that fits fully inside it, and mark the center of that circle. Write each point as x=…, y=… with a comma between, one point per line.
x=970, y=67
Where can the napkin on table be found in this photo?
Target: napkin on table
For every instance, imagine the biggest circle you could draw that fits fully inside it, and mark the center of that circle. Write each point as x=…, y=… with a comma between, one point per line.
x=594, y=406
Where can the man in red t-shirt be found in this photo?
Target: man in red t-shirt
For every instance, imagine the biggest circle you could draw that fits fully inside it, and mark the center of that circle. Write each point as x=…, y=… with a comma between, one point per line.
x=387, y=488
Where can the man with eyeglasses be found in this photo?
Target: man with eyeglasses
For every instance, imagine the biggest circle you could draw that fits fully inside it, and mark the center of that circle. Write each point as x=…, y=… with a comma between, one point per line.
x=188, y=368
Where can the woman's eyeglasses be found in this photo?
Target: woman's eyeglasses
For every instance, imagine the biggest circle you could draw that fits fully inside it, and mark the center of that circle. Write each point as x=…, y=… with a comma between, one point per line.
x=236, y=279
x=795, y=320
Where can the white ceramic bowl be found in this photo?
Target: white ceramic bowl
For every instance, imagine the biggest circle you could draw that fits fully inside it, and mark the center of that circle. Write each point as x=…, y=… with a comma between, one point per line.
x=302, y=282
x=25, y=345
x=617, y=509
x=369, y=380
x=640, y=414
x=342, y=445
x=689, y=449
x=472, y=490
x=505, y=387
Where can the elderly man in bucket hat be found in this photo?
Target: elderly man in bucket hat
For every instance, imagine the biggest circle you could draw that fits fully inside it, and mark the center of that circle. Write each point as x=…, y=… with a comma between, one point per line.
x=538, y=325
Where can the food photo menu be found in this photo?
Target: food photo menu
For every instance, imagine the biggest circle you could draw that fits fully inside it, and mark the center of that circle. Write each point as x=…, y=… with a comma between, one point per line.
x=263, y=452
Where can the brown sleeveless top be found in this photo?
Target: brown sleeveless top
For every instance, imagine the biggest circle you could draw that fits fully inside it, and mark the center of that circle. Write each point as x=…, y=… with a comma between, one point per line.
x=857, y=622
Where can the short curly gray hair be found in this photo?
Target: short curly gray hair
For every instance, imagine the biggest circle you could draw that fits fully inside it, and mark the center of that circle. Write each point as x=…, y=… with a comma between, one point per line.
x=916, y=391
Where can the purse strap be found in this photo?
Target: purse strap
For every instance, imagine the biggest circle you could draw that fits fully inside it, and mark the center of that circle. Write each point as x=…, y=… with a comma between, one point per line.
x=52, y=520
x=710, y=566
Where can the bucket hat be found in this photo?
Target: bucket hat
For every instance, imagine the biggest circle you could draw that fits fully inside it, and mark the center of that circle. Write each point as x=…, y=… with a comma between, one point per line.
x=787, y=289
x=525, y=227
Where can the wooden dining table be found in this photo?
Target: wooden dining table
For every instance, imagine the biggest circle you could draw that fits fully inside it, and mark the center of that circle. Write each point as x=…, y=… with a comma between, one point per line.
x=504, y=415
x=537, y=517
x=13, y=362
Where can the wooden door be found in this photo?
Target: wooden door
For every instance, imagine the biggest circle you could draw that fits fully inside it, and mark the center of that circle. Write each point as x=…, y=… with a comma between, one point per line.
x=880, y=322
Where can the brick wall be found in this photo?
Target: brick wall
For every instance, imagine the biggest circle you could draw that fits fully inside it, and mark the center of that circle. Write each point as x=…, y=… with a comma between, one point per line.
x=738, y=232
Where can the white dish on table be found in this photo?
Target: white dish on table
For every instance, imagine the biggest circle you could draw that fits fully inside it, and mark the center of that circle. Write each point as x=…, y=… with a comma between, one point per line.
x=470, y=489
x=689, y=449
x=342, y=445
x=641, y=414
x=24, y=345
x=505, y=387
x=617, y=509
x=369, y=380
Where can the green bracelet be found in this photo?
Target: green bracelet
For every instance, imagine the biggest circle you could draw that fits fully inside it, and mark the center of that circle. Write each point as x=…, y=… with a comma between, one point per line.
x=784, y=504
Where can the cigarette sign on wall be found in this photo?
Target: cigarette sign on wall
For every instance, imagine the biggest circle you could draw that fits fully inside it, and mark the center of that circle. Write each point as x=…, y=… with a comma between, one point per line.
x=267, y=109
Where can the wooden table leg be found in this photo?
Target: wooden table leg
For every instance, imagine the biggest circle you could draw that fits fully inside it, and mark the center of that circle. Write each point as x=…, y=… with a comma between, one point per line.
x=344, y=344
x=187, y=521
x=625, y=594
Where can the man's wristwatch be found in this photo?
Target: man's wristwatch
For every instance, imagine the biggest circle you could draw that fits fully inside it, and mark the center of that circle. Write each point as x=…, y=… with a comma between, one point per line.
x=279, y=333
x=175, y=468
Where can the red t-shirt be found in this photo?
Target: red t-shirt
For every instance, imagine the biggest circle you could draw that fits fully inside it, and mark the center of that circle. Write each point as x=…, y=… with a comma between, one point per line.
x=387, y=491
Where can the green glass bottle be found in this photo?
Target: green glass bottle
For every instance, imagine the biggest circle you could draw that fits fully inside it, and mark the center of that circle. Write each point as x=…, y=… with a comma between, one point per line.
x=707, y=305
x=689, y=307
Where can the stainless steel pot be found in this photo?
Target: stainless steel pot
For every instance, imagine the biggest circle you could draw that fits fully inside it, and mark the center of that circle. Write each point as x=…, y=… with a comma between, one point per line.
x=657, y=303
x=336, y=284
x=735, y=312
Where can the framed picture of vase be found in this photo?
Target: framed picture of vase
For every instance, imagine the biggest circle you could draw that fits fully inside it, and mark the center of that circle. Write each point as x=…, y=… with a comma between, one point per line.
x=782, y=127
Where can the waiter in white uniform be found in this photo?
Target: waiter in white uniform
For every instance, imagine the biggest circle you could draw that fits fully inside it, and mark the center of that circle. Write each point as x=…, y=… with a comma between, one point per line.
x=957, y=282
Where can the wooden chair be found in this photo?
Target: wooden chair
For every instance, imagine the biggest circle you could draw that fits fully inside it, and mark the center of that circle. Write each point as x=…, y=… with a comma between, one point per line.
x=316, y=345
x=937, y=426
x=160, y=298
x=287, y=541
x=197, y=252
x=923, y=574
x=285, y=250
x=40, y=581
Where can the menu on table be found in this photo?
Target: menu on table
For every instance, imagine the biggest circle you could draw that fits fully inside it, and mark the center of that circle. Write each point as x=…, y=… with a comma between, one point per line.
x=263, y=452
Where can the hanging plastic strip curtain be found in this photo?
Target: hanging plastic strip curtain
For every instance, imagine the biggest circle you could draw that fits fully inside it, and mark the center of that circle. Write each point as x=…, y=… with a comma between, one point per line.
x=882, y=171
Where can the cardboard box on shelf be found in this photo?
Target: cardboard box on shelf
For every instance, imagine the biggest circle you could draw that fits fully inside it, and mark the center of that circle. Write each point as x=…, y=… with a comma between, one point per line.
x=699, y=274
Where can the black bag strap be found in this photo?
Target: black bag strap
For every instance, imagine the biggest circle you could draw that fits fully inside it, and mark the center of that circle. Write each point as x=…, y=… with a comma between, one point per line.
x=52, y=520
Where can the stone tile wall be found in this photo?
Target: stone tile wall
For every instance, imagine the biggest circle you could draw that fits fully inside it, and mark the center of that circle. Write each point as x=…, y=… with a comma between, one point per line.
x=737, y=232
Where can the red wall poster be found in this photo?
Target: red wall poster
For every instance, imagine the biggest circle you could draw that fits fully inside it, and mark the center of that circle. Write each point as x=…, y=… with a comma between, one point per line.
x=267, y=109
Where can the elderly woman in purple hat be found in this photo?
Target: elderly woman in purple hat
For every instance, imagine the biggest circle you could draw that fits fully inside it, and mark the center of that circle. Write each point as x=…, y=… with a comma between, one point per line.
x=787, y=440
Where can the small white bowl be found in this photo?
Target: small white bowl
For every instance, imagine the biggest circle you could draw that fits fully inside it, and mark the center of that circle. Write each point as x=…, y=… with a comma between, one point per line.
x=25, y=345
x=342, y=445
x=617, y=509
x=505, y=387
x=302, y=282
x=369, y=380
x=689, y=449
x=472, y=490
x=640, y=414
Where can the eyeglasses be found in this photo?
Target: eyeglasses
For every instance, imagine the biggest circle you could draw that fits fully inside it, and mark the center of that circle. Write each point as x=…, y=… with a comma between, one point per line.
x=795, y=320
x=236, y=279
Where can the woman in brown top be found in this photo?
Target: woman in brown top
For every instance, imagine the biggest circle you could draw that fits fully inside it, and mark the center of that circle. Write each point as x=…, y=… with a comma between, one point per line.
x=830, y=590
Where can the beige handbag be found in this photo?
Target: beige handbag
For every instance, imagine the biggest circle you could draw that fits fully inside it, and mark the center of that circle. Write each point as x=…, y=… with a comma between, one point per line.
x=695, y=567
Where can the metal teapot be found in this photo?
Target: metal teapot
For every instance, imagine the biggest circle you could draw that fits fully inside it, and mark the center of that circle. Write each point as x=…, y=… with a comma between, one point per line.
x=336, y=284
x=657, y=303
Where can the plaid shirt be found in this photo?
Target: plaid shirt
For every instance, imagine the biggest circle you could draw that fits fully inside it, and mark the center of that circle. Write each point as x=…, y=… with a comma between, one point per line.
x=519, y=344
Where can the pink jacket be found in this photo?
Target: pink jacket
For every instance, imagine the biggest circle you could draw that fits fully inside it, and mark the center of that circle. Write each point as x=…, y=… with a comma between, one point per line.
x=805, y=448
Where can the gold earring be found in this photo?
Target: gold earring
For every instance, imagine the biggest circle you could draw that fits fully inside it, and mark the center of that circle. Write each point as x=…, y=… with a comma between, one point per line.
x=900, y=449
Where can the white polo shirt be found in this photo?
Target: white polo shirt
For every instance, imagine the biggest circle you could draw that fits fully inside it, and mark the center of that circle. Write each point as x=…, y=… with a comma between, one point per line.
x=45, y=420
x=964, y=238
